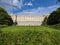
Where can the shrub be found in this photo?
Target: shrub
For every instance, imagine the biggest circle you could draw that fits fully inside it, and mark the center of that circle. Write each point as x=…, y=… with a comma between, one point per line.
x=15, y=23
x=57, y=26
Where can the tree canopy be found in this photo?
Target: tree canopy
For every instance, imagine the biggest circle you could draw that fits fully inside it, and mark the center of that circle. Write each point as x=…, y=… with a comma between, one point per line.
x=54, y=17
x=5, y=19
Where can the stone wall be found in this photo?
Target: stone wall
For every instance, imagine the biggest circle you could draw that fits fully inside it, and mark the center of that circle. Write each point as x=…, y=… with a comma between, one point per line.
x=28, y=19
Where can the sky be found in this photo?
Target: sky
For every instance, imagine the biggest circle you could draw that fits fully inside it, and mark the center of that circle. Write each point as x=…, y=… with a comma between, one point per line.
x=25, y=7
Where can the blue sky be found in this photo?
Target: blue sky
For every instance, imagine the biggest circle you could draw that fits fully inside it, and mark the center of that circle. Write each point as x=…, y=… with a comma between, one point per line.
x=38, y=7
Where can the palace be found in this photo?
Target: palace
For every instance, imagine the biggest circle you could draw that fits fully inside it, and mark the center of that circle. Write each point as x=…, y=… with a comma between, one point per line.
x=28, y=20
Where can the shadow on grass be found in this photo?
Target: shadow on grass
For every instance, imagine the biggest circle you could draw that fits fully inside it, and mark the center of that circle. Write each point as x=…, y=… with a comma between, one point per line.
x=3, y=26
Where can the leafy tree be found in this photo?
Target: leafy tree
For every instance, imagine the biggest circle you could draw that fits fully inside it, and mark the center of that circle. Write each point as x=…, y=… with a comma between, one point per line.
x=44, y=21
x=5, y=19
x=54, y=17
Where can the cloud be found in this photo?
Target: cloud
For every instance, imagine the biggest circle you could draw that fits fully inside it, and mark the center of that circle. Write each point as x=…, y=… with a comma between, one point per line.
x=15, y=2
x=18, y=3
x=10, y=5
x=54, y=6
x=31, y=12
x=40, y=10
x=6, y=1
x=6, y=4
x=29, y=4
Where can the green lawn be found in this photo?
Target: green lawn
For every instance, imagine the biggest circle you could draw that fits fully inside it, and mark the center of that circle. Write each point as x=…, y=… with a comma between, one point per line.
x=29, y=35
x=27, y=28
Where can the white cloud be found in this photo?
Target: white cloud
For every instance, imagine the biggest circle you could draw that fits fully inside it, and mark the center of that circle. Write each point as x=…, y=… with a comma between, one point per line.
x=29, y=4
x=9, y=4
x=54, y=6
x=15, y=2
x=18, y=3
x=40, y=10
x=5, y=1
x=31, y=12
x=6, y=4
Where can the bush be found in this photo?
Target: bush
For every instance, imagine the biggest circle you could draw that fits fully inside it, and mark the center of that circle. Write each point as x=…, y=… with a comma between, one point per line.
x=57, y=26
x=15, y=23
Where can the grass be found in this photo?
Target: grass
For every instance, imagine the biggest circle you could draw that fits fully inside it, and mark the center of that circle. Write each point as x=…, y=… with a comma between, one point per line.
x=25, y=28
x=29, y=35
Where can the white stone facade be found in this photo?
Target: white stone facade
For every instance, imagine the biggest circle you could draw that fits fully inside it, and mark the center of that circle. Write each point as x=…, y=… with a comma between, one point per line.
x=26, y=20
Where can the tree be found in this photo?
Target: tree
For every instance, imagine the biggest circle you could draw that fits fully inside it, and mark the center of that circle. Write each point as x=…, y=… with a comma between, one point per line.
x=5, y=19
x=54, y=17
x=44, y=21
